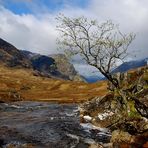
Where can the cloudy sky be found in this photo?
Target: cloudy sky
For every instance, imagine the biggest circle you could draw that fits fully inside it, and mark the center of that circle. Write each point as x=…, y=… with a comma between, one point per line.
x=30, y=24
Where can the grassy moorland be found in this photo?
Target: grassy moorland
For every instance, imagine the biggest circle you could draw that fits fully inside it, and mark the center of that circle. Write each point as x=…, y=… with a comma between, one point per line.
x=22, y=84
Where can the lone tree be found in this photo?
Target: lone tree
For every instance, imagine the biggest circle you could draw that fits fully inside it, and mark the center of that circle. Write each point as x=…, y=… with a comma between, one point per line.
x=100, y=45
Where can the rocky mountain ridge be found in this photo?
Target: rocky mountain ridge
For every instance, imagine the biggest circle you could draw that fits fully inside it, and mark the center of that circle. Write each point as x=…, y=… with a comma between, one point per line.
x=54, y=66
x=124, y=67
x=131, y=65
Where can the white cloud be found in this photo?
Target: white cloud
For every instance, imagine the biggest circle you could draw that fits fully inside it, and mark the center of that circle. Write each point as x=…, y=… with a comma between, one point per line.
x=28, y=32
x=131, y=15
x=36, y=32
x=86, y=70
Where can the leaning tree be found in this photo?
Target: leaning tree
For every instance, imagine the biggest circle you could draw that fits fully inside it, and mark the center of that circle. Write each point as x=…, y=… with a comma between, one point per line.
x=100, y=45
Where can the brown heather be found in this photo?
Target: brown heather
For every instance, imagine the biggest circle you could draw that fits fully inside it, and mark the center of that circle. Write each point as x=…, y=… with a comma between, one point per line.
x=21, y=84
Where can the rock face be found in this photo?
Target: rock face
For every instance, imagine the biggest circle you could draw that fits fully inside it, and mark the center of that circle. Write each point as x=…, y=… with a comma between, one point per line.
x=11, y=56
x=44, y=64
x=130, y=129
x=65, y=68
x=55, y=66
x=136, y=83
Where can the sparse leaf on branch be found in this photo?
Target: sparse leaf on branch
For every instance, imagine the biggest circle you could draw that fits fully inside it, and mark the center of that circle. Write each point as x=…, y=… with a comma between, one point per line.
x=101, y=45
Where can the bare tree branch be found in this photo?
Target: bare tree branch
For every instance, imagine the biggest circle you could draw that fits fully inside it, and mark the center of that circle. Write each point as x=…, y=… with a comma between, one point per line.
x=100, y=45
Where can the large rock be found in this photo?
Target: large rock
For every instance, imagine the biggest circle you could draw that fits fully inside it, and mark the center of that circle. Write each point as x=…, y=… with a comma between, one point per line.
x=134, y=84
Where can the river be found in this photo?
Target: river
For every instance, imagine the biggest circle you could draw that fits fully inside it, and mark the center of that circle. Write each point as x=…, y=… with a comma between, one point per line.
x=42, y=125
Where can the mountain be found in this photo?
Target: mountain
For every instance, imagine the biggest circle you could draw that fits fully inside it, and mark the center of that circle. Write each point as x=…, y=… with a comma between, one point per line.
x=93, y=78
x=122, y=68
x=131, y=65
x=126, y=66
x=28, y=54
x=65, y=68
x=54, y=66
x=48, y=66
x=12, y=57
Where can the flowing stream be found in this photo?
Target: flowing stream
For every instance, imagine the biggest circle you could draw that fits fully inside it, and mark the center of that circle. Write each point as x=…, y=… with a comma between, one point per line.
x=46, y=125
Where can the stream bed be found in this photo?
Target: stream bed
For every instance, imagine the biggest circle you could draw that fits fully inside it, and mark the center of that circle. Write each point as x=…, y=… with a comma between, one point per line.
x=50, y=125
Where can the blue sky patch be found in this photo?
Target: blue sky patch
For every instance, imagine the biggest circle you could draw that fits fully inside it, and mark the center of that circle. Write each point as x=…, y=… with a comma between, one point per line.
x=31, y=6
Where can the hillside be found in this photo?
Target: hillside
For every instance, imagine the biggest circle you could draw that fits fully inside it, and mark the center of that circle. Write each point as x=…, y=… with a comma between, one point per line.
x=23, y=84
x=12, y=57
x=30, y=76
x=47, y=66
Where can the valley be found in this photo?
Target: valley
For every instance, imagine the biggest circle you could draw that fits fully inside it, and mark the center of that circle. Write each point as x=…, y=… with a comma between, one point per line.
x=44, y=102
x=22, y=84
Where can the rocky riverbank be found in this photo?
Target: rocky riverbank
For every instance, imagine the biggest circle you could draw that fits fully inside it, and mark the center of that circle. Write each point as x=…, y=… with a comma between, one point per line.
x=123, y=110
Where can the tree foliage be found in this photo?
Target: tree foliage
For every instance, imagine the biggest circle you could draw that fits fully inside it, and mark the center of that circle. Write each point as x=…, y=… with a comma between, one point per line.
x=101, y=45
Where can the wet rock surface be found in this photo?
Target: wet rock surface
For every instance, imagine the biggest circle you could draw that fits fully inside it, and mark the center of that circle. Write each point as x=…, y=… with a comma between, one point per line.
x=46, y=125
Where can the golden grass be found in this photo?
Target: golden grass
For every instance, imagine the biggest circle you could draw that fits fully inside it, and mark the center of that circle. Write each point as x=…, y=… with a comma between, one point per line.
x=37, y=88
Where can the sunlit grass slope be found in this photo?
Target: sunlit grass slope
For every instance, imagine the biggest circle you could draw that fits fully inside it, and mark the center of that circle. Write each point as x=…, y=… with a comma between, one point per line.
x=21, y=84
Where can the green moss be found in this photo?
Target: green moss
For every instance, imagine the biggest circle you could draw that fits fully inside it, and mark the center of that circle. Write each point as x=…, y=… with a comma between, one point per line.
x=133, y=112
x=113, y=104
x=116, y=92
x=145, y=77
x=145, y=87
x=134, y=115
